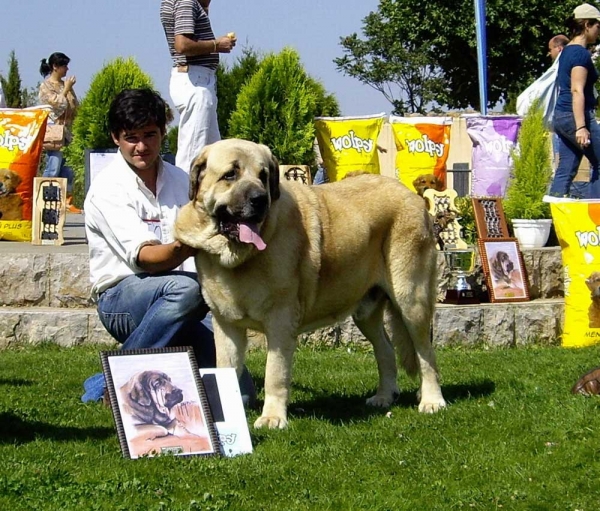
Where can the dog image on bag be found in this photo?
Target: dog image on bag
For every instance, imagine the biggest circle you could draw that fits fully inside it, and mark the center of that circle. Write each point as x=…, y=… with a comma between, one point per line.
x=426, y=182
x=11, y=203
x=593, y=284
x=284, y=259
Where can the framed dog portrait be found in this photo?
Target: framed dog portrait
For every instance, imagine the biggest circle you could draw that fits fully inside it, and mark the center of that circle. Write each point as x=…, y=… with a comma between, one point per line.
x=489, y=218
x=504, y=270
x=159, y=403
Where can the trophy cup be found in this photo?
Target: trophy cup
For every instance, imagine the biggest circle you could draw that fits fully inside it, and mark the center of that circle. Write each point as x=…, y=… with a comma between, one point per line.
x=460, y=261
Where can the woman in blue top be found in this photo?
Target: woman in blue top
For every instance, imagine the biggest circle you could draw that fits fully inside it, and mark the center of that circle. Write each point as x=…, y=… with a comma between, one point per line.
x=574, y=115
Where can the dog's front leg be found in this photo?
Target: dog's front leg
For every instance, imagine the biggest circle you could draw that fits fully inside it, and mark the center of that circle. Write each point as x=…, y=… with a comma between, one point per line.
x=230, y=344
x=281, y=344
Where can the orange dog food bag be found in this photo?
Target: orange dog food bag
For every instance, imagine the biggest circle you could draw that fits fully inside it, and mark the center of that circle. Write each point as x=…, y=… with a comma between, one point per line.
x=21, y=138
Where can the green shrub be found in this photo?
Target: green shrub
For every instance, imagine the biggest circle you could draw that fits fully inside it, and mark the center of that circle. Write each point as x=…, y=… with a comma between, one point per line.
x=230, y=83
x=466, y=219
x=277, y=107
x=90, y=129
x=531, y=171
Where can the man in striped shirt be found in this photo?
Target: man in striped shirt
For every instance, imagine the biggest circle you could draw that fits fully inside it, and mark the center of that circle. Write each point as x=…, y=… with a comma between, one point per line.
x=195, y=54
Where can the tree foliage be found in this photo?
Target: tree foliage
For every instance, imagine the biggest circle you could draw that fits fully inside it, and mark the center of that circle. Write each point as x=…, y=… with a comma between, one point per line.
x=230, y=82
x=11, y=85
x=277, y=107
x=90, y=129
x=428, y=50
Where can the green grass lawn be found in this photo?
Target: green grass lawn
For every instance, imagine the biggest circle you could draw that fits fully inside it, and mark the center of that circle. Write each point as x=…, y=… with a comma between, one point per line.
x=512, y=437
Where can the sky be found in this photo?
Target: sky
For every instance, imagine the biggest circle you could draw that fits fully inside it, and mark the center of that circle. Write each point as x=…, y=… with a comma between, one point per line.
x=93, y=32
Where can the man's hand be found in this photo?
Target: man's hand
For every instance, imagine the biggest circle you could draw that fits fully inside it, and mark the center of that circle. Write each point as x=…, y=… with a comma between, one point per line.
x=160, y=258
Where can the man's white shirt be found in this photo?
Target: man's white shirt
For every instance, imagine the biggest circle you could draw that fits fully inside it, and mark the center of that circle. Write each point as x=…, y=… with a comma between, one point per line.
x=122, y=215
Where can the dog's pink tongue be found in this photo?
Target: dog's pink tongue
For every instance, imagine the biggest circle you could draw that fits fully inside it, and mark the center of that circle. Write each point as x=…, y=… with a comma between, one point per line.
x=249, y=234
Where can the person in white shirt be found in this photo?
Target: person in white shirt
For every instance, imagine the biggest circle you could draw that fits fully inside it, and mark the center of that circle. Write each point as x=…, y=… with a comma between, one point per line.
x=143, y=280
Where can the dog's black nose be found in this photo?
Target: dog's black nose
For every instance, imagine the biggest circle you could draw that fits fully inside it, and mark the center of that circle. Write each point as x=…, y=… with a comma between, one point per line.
x=259, y=201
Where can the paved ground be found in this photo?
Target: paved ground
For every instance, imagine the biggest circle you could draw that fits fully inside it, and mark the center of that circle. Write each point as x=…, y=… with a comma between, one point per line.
x=74, y=235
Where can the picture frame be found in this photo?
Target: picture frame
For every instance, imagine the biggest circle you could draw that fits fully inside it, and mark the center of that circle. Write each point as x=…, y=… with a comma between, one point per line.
x=489, y=218
x=159, y=403
x=504, y=270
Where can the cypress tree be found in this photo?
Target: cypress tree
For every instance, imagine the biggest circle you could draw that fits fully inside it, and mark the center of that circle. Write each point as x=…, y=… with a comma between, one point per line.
x=12, y=84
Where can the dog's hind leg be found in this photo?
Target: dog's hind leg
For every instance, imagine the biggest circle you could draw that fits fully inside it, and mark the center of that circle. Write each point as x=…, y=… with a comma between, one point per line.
x=369, y=320
x=413, y=325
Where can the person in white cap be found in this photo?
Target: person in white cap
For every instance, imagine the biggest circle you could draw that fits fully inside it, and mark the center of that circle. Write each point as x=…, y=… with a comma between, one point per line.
x=574, y=115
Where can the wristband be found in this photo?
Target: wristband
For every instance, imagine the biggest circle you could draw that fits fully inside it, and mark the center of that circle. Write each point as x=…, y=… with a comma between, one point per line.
x=580, y=128
x=215, y=50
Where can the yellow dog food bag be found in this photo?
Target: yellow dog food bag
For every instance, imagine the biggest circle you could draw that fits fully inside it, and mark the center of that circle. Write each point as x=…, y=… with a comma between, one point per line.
x=21, y=138
x=422, y=145
x=577, y=225
x=348, y=144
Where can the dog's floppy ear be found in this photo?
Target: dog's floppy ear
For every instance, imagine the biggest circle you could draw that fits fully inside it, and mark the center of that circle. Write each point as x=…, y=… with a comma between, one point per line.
x=138, y=391
x=197, y=172
x=274, y=178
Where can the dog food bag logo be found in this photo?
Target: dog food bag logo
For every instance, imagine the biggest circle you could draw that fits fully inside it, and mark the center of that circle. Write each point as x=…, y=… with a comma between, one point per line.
x=21, y=139
x=577, y=227
x=348, y=144
x=422, y=145
x=493, y=139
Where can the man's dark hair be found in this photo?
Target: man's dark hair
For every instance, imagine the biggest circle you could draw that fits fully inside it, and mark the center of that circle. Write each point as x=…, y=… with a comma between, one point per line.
x=133, y=109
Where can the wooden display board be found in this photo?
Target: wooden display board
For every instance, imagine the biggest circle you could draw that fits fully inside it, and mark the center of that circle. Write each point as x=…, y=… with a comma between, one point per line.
x=298, y=173
x=49, y=210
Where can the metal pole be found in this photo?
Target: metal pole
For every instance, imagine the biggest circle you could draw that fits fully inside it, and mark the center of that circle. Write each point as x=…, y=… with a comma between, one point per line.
x=481, y=53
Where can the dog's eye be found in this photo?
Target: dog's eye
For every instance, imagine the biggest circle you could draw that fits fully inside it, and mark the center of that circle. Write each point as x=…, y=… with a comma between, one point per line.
x=230, y=176
x=263, y=176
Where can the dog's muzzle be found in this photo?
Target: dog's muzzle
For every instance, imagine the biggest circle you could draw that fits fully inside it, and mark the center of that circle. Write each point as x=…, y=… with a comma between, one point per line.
x=241, y=224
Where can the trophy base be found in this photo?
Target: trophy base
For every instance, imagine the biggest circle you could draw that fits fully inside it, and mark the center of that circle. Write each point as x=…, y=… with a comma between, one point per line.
x=461, y=297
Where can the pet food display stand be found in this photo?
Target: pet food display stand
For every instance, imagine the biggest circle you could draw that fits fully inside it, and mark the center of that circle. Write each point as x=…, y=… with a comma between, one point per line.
x=49, y=210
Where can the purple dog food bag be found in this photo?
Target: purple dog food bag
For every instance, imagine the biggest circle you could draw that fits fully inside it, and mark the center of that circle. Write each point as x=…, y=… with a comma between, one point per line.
x=494, y=138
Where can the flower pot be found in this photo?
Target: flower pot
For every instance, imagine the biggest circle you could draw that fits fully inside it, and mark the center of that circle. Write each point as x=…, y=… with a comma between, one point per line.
x=532, y=233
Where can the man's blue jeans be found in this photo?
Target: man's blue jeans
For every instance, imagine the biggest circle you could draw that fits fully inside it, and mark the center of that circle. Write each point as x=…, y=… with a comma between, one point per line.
x=155, y=311
x=570, y=154
x=56, y=167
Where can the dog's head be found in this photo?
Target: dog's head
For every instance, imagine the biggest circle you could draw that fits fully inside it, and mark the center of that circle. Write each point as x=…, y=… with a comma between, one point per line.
x=151, y=395
x=502, y=266
x=427, y=181
x=593, y=284
x=9, y=181
x=236, y=181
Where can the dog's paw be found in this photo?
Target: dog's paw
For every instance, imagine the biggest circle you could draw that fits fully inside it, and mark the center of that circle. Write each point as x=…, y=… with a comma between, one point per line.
x=431, y=406
x=271, y=422
x=383, y=400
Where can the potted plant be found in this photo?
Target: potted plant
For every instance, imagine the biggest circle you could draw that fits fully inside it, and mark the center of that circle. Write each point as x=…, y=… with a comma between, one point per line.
x=531, y=173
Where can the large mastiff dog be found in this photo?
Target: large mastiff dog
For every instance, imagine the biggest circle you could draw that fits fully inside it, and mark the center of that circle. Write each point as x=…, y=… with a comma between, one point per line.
x=287, y=258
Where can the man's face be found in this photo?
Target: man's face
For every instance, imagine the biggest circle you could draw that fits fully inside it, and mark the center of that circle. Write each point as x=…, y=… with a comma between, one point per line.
x=554, y=51
x=141, y=147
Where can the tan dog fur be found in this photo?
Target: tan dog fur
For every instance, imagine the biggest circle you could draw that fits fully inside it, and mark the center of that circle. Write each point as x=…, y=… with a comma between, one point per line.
x=11, y=202
x=363, y=246
x=593, y=284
